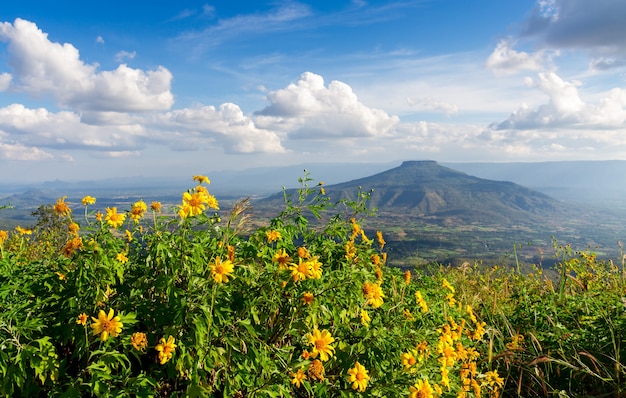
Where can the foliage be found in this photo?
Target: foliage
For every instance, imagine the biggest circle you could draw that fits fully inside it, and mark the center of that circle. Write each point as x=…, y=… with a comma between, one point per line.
x=192, y=301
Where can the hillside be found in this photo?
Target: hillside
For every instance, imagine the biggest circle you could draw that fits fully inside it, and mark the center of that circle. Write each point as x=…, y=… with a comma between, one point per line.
x=425, y=189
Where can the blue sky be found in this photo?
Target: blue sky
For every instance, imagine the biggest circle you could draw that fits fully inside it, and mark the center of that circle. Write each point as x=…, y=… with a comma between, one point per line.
x=168, y=88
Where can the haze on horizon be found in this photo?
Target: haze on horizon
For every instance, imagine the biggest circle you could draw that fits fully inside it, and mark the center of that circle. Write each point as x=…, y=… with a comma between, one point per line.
x=187, y=88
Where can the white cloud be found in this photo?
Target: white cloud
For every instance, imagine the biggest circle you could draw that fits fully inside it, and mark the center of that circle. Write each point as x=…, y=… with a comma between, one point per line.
x=308, y=109
x=22, y=152
x=207, y=126
x=123, y=55
x=505, y=60
x=280, y=18
x=5, y=81
x=432, y=105
x=43, y=67
x=63, y=130
x=100, y=40
x=566, y=109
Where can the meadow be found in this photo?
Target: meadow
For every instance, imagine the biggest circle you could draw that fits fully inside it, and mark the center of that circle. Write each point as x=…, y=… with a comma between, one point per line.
x=195, y=300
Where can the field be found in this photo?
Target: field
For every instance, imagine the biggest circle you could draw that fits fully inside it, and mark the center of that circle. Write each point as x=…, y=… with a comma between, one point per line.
x=203, y=297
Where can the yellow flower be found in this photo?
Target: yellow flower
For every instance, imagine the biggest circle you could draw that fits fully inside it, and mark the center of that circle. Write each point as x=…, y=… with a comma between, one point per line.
x=73, y=228
x=300, y=271
x=107, y=325
x=379, y=237
x=61, y=208
x=139, y=341
x=421, y=389
x=165, y=349
x=23, y=231
x=492, y=379
x=282, y=258
x=201, y=179
x=137, y=210
x=407, y=277
x=230, y=252
x=316, y=370
x=308, y=297
x=272, y=235
x=129, y=235
x=321, y=342
x=379, y=273
x=420, y=301
x=479, y=331
x=445, y=376
x=61, y=276
x=121, y=257
x=470, y=312
x=517, y=341
x=298, y=377
x=88, y=200
x=356, y=228
x=447, y=285
x=358, y=377
x=99, y=217
x=303, y=252
x=375, y=259
x=365, y=318
x=193, y=204
x=373, y=293
x=408, y=359
x=155, y=206
x=72, y=245
x=113, y=218
x=350, y=250
x=316, y=268
x=4, y=235
x=221, y=270
x=82, y=319
x=212, y=202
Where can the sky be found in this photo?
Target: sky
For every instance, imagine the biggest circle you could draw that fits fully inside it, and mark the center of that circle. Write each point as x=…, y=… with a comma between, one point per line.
x=164, y=88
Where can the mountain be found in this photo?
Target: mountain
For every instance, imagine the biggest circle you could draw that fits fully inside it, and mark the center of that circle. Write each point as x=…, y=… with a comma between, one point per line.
x=425, y=189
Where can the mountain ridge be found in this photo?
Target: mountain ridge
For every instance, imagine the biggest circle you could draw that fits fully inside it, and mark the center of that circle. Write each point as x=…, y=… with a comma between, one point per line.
x=425, y=189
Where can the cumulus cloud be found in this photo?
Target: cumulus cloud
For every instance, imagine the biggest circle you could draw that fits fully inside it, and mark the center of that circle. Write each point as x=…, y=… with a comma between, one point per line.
x=505, y=60
x=598, y=27
x=23, y=126
x=100, y=40
x=310, y=110
x=22, y=152
x=44, y=67
x=226, y=126
x=566, y=108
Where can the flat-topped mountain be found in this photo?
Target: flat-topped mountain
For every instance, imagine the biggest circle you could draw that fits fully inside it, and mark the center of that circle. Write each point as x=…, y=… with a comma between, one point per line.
x=425, y=189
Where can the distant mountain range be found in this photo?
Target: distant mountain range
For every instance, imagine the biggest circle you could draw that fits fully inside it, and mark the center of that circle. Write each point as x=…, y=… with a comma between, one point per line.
x=425, y=189
x=587, y=182
x=593, y=183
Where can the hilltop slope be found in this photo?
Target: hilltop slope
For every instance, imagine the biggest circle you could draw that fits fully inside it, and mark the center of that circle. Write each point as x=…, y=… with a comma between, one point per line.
x=425, y=189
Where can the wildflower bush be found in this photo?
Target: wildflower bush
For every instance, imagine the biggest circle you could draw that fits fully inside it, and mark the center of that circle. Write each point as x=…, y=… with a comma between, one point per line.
x=553, y=336
x=190, y=302
x=194, y=301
